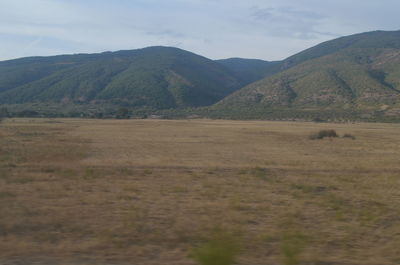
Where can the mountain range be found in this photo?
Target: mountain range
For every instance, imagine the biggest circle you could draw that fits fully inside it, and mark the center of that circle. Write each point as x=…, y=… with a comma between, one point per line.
x=353, y=76
x=156, y=77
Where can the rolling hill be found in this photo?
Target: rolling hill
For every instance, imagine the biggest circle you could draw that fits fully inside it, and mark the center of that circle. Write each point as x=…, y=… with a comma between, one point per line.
x=358, y=73
x=155, y=77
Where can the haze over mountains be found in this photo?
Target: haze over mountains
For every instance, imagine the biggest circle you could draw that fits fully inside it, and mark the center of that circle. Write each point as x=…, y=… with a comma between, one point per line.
x=249, y=70
x=355, y=74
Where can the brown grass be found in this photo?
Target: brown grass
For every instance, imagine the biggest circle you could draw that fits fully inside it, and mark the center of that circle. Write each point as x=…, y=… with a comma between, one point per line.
x=149, y=192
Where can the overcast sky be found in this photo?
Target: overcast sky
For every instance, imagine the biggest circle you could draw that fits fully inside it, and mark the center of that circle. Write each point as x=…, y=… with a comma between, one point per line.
x=265, y=29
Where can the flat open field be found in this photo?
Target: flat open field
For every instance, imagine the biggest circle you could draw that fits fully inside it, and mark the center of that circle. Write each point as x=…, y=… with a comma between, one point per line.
x=148, y=192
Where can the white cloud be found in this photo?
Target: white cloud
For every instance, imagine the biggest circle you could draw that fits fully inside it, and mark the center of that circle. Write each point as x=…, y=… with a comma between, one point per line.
x=267, y=29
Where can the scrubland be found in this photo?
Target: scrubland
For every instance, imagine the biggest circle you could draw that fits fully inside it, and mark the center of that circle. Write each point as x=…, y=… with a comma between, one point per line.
x=155, y=191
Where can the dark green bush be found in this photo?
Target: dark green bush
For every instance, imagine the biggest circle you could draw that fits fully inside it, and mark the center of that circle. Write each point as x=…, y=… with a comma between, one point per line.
x=292, y=247
x=259, y=172
x=222, y=248
x=318, y=119
x=323, y=133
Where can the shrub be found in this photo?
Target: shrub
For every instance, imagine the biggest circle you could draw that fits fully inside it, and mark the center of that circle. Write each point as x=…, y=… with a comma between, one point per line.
x=318, y=119
x=259, y=172
x=350, y=136
x=292, y=247
x=323, y=133
x=3, y=114
x=221, y=249
x=122, y=113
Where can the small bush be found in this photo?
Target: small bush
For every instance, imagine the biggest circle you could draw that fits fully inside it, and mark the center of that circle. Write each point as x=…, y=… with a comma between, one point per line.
x=6, y=194
x=322, y=134
x=147, y=172
x=259, y=172
x=221, y=249
x=318, y=119
x=292, y=247
x=350, y=136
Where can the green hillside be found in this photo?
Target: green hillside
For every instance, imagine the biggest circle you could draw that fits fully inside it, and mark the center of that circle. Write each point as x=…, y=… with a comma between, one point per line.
x=156, y=77
x=359, y=73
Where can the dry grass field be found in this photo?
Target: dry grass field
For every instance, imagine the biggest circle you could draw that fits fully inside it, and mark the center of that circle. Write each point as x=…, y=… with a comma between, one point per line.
x=147, y=192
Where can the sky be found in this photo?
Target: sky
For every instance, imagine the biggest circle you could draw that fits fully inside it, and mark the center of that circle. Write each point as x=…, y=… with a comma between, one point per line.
x=262, y=29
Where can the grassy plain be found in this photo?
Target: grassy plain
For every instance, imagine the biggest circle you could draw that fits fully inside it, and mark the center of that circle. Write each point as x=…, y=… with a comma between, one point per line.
x=151, y=191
